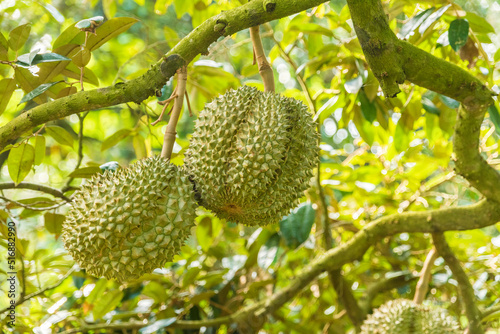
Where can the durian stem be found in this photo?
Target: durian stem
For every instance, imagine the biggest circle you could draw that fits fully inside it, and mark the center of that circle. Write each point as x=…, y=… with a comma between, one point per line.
x=425, y=276
x=464, y=287
x=169, y=138
x=265, y=69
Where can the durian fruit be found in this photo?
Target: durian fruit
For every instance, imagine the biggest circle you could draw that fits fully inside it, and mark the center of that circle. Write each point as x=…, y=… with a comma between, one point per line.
x=128, y=222
x=402, y=316
x=251, y=155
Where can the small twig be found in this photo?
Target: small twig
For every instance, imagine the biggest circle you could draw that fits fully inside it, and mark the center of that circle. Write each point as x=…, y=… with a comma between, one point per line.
x=165, y=105
x=39, y=292
x=265, y=70
x=169, y=138
x=188, y=104
x=37, y=187
x=464, y=286
x=29, y=207
x=81, y=118
x=425, y=276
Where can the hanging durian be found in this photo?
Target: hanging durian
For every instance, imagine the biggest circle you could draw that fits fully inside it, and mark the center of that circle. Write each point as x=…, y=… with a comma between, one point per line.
x=402, y=316
x=251, y=155
x=128, y=222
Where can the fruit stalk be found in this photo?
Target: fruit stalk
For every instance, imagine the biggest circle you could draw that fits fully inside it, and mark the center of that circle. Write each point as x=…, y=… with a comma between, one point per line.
x=265, y=69
x=169, y=138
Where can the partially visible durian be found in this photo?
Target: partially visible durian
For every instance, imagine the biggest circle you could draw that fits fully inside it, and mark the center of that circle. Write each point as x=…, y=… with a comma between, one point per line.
x=402, y=316
x=126, y=223
x=251, y=155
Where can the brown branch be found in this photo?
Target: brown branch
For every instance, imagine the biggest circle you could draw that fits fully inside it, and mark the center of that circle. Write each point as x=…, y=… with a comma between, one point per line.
x=37, y=187
x=425, y=276
x=265, y=70
x=169, y=138
x=464, y=286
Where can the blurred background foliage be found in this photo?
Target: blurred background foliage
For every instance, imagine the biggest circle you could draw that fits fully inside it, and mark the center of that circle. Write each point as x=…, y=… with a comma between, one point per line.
x=378, y=156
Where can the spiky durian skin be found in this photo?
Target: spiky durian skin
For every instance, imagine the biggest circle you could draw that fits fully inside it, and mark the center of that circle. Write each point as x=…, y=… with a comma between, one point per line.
x=252, y=154
x=127, y=223
x=402, y=316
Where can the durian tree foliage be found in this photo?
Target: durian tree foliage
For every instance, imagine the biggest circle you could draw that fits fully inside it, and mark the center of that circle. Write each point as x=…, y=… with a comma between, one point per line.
x=403, y=94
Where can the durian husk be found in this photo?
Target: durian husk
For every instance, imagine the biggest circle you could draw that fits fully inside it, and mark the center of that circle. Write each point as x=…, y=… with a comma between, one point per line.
x=402, y=316
x=251, y=155
x=128, y=222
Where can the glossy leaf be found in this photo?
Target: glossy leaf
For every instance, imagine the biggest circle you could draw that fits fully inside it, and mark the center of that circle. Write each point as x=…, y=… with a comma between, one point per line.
x=20, y=161
x=494, y=117
x=60, y=135
x=368, y=108
x=414, y=22
x=269, y=252
x=458, y=33
x=296, y=227
x=38, y=91
x=28, y=59
x=108, y=30
x=82, y=57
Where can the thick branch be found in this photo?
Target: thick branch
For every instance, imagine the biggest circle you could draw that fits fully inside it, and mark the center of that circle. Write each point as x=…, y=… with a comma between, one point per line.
x=469, y=162
x=464, y=286
x=37, y=187
x=253, y=13
x=393, y=61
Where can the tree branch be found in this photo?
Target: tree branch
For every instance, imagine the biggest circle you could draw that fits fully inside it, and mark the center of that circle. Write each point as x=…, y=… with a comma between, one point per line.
x=37, y=187
x=265, y=70
x=464, y=286
x=253, y=13
x=425, y=276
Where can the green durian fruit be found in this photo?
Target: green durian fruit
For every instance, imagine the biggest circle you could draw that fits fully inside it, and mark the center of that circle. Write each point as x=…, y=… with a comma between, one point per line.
x=402, y=316
x=251, y=155
x=128, y=222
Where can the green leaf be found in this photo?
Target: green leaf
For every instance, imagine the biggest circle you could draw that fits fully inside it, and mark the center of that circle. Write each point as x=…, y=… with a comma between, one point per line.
x=39, y=149
x=368, y=108
x=432, y=18
x=4, y=48
x=38, y=91
x=18, y=36
x=494, y=117
x=354, y=85
x=60, y=135
x=458, y=33
x=139, y=147
x=26, y=60
x=20, y=161
x=268, y=253
x=82, y=57
x=53, y=222
x=115, y=138
x=7, y=87
x=479, y=24
x=204, y=233
x=296, y=227
x=74, y=72
x=85, y=172
x=157, y=325
x=401, y=137
x=97, y=291
x=108, y=30
x=106, y=303
x=430, y=107
x=414, y=22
